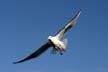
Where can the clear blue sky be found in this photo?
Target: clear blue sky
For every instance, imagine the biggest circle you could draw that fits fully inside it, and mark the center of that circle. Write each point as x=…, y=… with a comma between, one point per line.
x=26, y=24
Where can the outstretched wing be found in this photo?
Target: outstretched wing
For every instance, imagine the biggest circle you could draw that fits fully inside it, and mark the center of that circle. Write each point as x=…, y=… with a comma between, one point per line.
x=69, y=25
x=36, y=53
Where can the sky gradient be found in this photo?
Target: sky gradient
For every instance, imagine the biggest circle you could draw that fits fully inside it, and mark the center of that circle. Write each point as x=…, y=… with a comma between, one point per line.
x=26, y=24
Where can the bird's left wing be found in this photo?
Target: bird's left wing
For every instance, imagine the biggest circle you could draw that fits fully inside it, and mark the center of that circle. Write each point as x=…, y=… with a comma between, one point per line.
x=69, y=25
x=36, y=53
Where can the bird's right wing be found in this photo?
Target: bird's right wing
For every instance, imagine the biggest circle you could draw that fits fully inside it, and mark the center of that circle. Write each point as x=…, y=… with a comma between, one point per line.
x=68, y=25
x=36, y=53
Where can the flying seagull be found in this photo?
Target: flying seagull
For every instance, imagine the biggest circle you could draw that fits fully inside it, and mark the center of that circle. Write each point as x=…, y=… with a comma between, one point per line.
x=59, y=46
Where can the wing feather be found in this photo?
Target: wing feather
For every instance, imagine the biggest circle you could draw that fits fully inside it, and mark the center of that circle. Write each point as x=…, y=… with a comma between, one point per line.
x=68, y=26
x=36, y=53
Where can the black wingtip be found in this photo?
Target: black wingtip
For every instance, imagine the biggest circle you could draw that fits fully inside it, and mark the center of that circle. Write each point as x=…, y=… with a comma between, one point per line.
x=14, y=62
x=80, y=9
x=17, y=62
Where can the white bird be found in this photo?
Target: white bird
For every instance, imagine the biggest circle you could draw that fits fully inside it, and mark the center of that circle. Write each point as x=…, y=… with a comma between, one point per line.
x=59, y=46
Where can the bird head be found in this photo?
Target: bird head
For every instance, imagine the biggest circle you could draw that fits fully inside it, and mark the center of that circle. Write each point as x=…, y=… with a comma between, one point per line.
x=49, y=37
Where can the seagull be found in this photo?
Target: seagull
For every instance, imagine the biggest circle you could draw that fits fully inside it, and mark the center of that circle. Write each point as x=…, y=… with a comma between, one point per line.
x=56, y=42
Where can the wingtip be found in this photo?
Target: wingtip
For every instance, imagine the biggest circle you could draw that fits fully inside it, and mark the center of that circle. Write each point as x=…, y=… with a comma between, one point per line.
x=80, y=10
x=14, y=63
x=78, y=13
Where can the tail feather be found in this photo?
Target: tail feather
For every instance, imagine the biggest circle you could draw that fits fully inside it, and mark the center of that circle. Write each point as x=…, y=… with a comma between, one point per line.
x=65, y=42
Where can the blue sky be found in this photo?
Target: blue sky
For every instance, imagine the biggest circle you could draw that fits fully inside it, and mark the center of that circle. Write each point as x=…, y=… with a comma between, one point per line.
x=26, y=24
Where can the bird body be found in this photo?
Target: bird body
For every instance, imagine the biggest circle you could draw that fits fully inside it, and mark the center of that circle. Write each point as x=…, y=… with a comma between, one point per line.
x=58, y=45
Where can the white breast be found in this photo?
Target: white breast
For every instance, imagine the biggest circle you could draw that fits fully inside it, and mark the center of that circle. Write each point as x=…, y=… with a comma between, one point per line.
x=57, y=42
